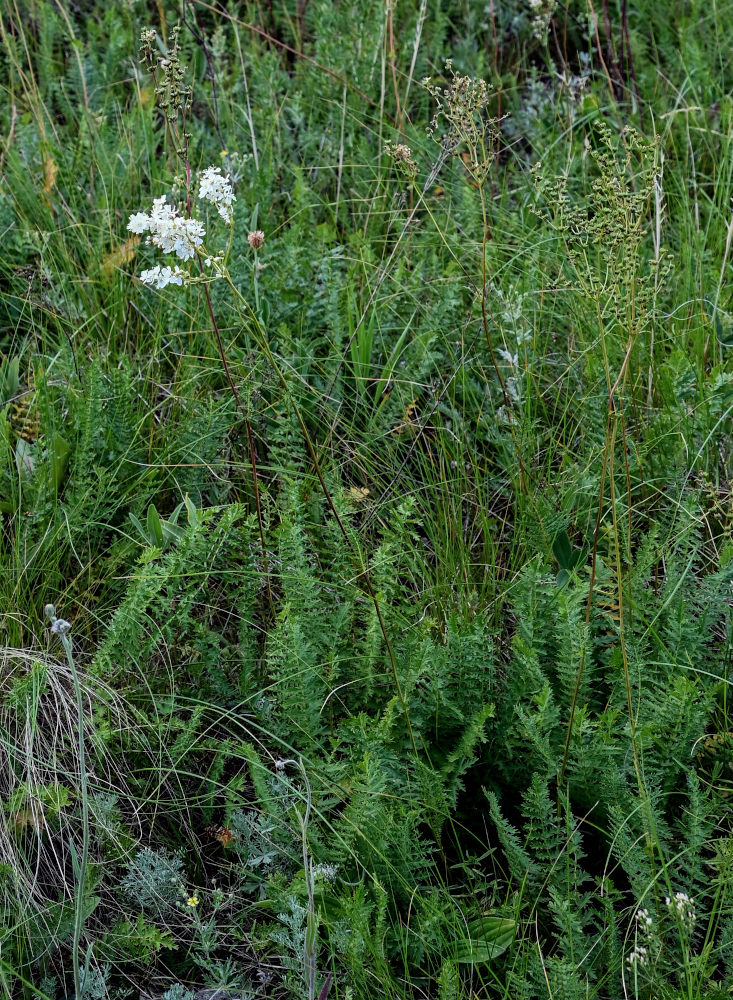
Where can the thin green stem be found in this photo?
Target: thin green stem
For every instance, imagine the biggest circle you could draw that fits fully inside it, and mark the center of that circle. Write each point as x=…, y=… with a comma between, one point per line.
x=508, y=406
x=250, y=439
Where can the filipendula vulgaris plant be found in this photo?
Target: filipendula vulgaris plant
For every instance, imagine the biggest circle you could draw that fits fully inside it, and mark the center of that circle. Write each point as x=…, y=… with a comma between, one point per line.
x=602, y=238
x=175, y=231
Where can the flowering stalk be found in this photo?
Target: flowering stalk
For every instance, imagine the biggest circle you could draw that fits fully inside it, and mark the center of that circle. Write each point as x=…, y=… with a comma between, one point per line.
x=184, y=236
x=250, y=442
x=61, y=628
x=256, y=241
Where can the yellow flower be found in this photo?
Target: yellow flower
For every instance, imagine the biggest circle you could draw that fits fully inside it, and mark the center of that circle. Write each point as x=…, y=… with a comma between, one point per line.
x=193, y=901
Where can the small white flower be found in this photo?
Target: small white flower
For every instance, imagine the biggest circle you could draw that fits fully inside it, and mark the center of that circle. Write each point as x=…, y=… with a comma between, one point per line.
x=169, y=231
x=162, y=276
x=139, y=223
x=217, y=188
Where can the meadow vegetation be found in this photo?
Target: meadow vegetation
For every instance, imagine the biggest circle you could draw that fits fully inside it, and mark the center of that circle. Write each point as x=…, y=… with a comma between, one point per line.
x=366, y=532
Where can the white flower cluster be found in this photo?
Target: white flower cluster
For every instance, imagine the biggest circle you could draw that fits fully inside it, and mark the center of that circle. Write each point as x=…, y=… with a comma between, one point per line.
x=542, y=11
x=162, y=276
x=326, y=871
x=169, y=231
x=217, y=188
x=683, y=907
x=173, y=233
x=639, y=956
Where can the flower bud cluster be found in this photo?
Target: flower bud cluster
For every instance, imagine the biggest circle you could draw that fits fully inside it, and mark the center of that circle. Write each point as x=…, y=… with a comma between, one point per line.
x=542, y=12
x=59, y=626
x=638, y=957
x=683, y=907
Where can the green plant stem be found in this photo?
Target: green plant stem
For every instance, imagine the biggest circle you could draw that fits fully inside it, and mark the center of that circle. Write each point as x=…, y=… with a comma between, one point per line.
x=255, y=284
x=250, y=439
x=487, y=334
x=180, y=142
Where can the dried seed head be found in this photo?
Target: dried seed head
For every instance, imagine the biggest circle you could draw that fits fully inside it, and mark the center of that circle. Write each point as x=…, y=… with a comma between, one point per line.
x=147, y=44
x=462, y=122
x=256, y=239
x=402, y=156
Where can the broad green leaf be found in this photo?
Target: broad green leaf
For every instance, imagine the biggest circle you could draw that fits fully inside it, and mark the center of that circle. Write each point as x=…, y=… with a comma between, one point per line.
x=486, y=939
x=562, y=549
x=59, y=460
x=155, y=528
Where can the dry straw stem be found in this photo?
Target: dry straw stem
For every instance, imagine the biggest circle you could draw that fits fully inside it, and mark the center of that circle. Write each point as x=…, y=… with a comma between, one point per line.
x=40, y=768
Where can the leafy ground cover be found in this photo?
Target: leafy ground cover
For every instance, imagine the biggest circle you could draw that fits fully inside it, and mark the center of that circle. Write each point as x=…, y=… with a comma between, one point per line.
x=366, y=530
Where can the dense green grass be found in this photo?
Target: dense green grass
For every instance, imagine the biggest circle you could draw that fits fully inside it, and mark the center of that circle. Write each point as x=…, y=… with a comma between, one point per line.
x=398, y=556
